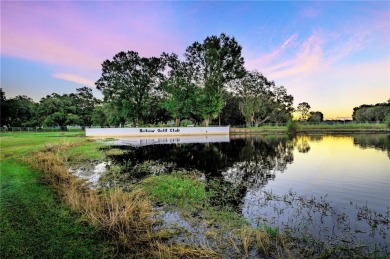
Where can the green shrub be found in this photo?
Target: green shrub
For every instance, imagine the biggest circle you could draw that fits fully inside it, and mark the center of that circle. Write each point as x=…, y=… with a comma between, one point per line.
x=292, y=127
x=387, y=120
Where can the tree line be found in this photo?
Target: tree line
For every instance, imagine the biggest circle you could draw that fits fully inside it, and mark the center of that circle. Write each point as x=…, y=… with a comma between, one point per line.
x=371, y=113
x=53, y=110
x=208, y=85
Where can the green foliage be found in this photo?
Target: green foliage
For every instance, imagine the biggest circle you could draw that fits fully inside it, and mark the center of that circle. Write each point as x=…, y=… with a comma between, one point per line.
x=85, y=102
x=261, y=100
x=129, y=81
x=18, y=111
x=231, y=114
x=179, y=93
x=387, y=120
x=316, y=117
x=58, y=110
x=292, y=127
x=209, y=104
x=371, y=113
x=303, y=109
x=212, y=65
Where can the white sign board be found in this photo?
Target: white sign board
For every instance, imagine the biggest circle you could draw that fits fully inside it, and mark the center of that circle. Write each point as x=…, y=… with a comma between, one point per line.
x=151, y=132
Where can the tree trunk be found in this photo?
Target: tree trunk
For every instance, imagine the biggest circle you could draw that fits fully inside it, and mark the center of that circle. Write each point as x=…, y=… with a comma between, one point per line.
x=177, y=122
x=257, y=123
x=206, y=122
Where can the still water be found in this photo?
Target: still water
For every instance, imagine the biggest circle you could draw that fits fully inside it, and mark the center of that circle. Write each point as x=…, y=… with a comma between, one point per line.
x=335, y=188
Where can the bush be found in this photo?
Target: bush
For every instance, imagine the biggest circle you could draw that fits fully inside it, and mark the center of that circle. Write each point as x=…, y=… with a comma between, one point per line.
x=292, y=127
x=387, y=120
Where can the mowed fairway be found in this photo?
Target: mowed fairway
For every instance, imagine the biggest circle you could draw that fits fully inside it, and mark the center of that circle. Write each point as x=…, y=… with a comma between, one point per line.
x=32, y=222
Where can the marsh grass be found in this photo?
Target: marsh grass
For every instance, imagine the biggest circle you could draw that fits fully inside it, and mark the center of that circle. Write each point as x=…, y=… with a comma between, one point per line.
x=175, y=189
x=162, y=250
x=124, y=217
x=188, y=195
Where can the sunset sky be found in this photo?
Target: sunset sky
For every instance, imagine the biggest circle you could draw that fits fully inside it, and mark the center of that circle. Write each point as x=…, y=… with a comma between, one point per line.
x=333, y=55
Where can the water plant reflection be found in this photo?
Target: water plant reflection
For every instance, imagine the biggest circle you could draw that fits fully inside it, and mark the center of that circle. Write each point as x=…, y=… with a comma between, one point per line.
x=242, y=172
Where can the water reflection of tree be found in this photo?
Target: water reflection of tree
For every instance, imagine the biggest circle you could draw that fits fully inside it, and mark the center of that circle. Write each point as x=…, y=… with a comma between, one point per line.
x=260, y=159
x=302, y=144
x=376, y=141
x=230, y=168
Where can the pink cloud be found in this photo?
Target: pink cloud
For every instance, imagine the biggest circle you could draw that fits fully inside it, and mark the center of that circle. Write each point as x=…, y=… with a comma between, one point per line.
x=65, y=35
x=75, y=79
x=267, y=58
x=306, y=60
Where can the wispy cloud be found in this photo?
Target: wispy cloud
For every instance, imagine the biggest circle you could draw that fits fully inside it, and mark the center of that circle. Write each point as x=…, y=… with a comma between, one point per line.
x=292, y=60
x=76, y=35
x=75, y=79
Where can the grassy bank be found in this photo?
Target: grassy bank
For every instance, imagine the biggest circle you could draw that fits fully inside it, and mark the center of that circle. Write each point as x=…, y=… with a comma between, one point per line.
x=46, y=212
x=316, y=128
x=33, y=222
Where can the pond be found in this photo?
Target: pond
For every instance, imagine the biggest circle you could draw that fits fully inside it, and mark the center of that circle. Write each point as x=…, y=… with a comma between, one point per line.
x=335, y=188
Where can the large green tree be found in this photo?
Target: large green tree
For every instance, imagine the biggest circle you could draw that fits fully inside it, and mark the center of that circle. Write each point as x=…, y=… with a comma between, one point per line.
x=213, y=64
x=179, y=93
x=58, y=110
x=85, y=103
x=304, y=109
x=129, y=82
x=18, y=111
x=261, y=100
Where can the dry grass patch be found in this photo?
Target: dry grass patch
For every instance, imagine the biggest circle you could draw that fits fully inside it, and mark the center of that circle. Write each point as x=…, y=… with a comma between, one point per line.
x=180, y=251
x=123, y=216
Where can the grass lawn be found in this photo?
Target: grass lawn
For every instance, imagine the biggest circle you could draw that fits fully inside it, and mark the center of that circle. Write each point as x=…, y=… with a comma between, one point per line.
x=32, y=222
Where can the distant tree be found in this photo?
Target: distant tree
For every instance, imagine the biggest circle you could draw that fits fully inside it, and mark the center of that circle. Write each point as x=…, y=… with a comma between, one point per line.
x=213, y=64
x=20, y=112
x=371, y=113
x=85, y=103
x=58, y=110
x=303, y=109
x=316, y=117
x=283, y=104
x=128, y=83
x=4, y=108
x=387, y=120
x=261, y=100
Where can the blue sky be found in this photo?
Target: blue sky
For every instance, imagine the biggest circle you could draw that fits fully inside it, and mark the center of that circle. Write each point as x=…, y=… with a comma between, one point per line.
x=333, y=55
